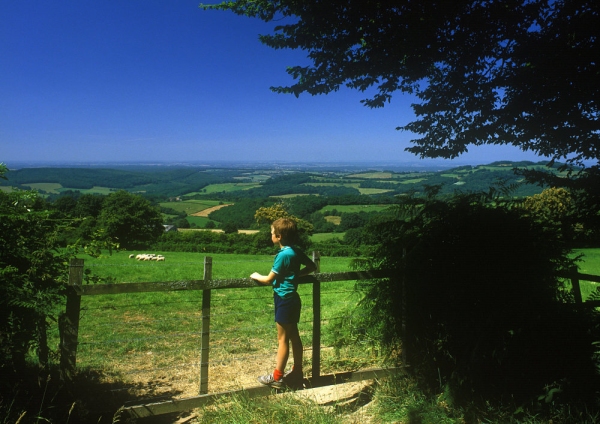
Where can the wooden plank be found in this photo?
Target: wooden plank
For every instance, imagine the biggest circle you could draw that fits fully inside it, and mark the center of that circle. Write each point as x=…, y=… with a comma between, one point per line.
x=581, y=277
x=119, y=288
x=186, y=404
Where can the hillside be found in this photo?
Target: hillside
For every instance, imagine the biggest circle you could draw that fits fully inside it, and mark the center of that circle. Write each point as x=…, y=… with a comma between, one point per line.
x=237, y=183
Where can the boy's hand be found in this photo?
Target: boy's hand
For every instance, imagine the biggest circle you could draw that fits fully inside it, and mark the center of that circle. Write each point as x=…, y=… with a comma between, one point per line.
x=255, y=276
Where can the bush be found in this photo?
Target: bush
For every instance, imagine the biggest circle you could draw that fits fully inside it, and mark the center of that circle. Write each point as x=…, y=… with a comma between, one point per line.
x=485, y=311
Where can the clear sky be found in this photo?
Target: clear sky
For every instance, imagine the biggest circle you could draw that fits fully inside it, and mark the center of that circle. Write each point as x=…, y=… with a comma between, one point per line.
x=162, y=80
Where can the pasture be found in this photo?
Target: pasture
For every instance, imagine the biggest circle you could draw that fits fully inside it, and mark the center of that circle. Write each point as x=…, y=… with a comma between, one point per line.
x=228, y=187
x=353, y=208
x=372, y=175
x=149, y=343
x=191, y=206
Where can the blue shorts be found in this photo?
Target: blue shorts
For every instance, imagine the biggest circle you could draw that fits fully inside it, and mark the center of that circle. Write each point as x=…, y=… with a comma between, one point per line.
x=287, y=311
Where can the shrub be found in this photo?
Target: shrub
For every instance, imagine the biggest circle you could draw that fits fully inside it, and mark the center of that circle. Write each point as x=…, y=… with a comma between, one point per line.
x=485, y=311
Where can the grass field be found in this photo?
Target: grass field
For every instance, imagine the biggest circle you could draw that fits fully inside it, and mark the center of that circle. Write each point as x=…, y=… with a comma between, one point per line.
x=326, y=236
x=149, y=343
x=590, y=264
x=190, y=206
x=53, y=188
x=227, y=187
x=372, y=175
x=354, y=208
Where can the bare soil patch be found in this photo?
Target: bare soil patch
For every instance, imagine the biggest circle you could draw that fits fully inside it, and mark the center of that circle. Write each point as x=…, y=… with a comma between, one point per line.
x=205, y=212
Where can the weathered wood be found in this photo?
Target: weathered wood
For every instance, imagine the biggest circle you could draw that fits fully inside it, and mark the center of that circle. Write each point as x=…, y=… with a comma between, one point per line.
x=69, y=322
x=205, y=347
x=580, y=276
x=232, y=283
x=186, y=404
x=576, y=287
x=316, y=336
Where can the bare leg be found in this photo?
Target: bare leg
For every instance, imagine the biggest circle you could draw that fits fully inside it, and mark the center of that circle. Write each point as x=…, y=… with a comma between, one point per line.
x=283, y=348
x=285, y=334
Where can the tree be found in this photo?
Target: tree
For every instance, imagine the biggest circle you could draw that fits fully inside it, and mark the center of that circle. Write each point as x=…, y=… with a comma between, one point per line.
x=483, y=301
x=32, y=275
x=518, y=72
x=130, y=219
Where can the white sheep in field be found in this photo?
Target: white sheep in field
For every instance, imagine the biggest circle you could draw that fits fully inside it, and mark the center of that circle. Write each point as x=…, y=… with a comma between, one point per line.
x=160, y=258
x=131, y=256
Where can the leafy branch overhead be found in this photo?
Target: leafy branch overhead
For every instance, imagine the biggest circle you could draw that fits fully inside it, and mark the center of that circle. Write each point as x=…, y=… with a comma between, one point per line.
x=516, y=72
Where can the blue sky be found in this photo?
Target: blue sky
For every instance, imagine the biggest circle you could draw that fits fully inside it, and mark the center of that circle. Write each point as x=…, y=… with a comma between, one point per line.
x=94, y=81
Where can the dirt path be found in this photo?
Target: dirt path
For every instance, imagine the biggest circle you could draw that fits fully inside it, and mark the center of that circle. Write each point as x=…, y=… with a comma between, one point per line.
x=206, y=212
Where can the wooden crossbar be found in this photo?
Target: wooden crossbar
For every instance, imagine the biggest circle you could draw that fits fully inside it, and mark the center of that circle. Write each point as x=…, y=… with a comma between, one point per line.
x=186, y=404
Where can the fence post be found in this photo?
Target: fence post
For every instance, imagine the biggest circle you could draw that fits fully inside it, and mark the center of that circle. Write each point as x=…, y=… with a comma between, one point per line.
x=575, y=286
x=316, y=337
x=404, y=312
x=205, y=334
x=68, y=324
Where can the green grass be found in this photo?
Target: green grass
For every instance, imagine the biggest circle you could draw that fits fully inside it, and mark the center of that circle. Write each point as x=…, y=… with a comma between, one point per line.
x=590, y=264
x=145, y=335
x=368, y=191
x=152, y=340
x=190, y=206
x=52, y=188
x=228, y=187
x=354, y=208
x=200, y=221
x=326, y=236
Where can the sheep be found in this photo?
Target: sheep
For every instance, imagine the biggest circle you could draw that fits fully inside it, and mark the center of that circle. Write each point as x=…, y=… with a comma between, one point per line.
x=160, y=258
x=131, y=256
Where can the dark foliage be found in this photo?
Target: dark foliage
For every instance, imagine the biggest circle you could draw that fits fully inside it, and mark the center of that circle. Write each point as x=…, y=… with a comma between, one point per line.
x=485, y=312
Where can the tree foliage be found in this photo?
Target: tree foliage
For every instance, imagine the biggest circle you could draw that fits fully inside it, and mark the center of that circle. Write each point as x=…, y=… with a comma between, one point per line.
x=130, y=220
x=485, y=310
x=32, y=276
x=516, y=72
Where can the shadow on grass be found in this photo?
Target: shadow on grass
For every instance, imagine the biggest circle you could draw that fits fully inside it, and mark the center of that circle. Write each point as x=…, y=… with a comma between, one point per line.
x=33, y=397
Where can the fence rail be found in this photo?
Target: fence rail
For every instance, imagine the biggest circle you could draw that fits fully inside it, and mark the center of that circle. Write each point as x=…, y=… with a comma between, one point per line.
x=69, y=324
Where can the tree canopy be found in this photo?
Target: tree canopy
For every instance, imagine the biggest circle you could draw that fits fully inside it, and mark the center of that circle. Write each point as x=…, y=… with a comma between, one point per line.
x=516, y=72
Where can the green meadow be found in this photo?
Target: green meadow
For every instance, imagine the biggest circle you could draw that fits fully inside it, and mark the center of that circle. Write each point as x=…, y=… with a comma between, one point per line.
x=135, y=338
x=354, y=208
x=190, y=206
x=589, y=264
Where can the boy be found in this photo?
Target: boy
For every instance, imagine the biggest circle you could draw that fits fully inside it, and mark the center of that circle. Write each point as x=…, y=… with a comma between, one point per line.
x=284, y=278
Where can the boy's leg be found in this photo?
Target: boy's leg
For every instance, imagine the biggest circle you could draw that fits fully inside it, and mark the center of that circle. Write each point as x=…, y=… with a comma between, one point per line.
x=287, y=333
x=297, y=348
x=283, y=347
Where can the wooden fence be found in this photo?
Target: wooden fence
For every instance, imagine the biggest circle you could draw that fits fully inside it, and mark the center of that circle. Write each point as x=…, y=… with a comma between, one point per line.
x=69, y=328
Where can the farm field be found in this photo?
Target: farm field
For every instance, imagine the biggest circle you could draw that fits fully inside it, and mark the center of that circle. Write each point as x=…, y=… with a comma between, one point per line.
x=326, y=236
x=354, y=208
x=149, y=343
x=190, y=207
x=227, y=187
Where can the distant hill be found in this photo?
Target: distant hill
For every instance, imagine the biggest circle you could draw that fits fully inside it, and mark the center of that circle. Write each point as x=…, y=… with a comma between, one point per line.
x=256, y=182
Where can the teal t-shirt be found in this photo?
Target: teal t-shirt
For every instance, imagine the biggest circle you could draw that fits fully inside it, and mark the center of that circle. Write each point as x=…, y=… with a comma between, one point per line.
x=287, y=265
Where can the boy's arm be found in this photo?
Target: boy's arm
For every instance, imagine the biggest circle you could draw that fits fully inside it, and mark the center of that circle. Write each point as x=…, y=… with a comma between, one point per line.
x=264, y=279
x=309, y=267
